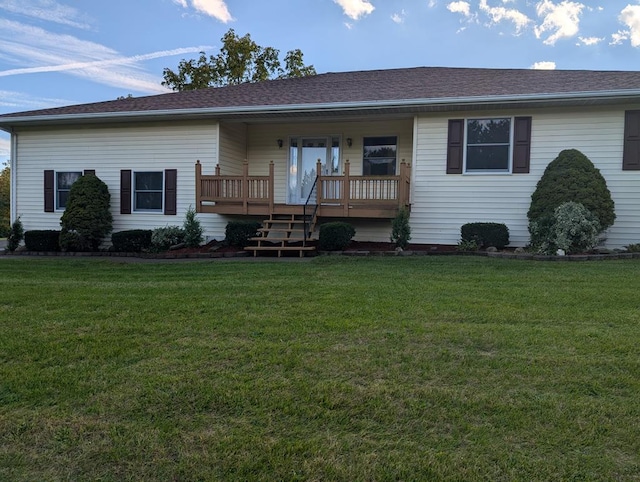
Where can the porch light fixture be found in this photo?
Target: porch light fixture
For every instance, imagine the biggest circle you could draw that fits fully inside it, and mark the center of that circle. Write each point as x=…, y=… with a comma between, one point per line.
x=279, y=143
x=349, y=141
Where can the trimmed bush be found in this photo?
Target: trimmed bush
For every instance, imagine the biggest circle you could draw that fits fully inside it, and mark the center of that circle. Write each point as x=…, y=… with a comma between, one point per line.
x=485, y=234
x=16, y=233
x=572, y=177
x=400, y=229
x=237, y=233
x=576, y=228
x=335, y=236
x=192, y=229
x=163, y=238
x=86, y=219
x=542, y=233
x=132, y=240
x=42, y=240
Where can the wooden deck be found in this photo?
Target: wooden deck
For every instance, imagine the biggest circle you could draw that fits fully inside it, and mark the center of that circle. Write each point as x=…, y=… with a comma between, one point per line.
x=343, y=196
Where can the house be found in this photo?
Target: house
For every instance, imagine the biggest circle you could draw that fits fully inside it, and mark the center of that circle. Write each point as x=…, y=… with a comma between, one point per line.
x=455, y=145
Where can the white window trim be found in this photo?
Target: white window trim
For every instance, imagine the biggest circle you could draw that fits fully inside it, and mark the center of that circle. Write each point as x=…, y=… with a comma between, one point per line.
x=493, y=172
x=56, y=191
x=398, y=160
x=134, y=191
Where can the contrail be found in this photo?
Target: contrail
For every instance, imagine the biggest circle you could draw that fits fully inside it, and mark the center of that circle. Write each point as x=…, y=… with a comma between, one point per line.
x=102, y=63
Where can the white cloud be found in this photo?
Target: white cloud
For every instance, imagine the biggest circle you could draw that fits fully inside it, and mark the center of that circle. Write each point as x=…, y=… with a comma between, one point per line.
x=20, y=101
x=562, y=20
x=214, y=8
x=37, y=50
x=619, y=37
x=47, y=10
x=355, y=9
x=498, y=14
x=630, y=16
x=432, y=3
x=182, y=3
x=460, y=7
x=399, y=17
x=590, y=40
x=544, y=65
x=5, y=150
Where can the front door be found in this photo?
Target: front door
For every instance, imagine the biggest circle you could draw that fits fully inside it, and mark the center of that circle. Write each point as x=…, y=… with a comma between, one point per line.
x=304, y=154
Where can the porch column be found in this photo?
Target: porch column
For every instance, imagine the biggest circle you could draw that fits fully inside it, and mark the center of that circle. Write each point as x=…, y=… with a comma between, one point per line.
x=346, y=189
x=271, y=187
x=319, y=186
x=245, y=187
x=198, y=186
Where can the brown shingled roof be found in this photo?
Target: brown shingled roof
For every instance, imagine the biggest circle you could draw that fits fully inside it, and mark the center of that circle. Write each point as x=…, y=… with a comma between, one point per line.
x=428, y=83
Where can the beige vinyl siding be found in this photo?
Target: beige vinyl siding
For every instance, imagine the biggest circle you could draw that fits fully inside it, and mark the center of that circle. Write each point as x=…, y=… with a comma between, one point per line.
x=442, y=203
x=233, y=148
x=108, y=150
x=263, y=144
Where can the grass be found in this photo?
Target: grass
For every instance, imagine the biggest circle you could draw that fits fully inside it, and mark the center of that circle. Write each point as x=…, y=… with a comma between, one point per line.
x=430, y=368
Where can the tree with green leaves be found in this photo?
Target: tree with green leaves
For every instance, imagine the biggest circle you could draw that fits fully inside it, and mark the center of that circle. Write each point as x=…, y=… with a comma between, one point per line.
x=239, y=61
x=5, y=200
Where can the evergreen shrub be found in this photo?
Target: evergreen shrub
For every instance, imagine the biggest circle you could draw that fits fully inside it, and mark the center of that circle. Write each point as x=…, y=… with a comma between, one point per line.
x=86, y=220
x=192, y=229
x=572, y=177
x=576, y=228
x=163, y=238
x=237, y=233
x=42, y=240
x=485, y=234
x=16, y=233
x=335, y=236
x=131, y=241
x=400, y=229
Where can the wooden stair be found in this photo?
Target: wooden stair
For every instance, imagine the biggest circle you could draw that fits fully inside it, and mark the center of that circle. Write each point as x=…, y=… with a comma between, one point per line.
x=283, y=233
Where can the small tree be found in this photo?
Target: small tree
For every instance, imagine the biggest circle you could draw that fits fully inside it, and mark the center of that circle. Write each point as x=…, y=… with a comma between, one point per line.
x=572, y=177
x=192, y=229
x=400, y=229
x=16, y=233
x=87, y=218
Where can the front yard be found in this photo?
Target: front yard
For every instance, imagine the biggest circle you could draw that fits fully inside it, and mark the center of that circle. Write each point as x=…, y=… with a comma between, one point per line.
x=455, y=368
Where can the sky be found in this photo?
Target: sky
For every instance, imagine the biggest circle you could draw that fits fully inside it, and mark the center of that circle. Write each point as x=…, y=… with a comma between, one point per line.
x=63, y=52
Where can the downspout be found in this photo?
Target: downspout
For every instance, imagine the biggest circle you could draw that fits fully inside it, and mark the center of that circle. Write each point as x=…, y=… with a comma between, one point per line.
x=13, y=166
x=414, y=160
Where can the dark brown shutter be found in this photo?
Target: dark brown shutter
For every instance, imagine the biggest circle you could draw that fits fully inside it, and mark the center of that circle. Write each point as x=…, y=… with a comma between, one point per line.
x=521, y=145
x=170, y=191
x=125, y=191
x=631, y=153
x=455, y=146
x=89, y=172
x=49, y=194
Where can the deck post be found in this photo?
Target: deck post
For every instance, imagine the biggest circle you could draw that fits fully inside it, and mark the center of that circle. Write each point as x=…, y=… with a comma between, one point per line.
x=245, y=187
x=198, y=186
x=319, y=187
x=402, y=188
x=346, y=189
x=271, y=187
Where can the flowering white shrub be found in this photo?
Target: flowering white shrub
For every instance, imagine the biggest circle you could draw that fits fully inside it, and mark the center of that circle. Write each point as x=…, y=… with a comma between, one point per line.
x=575, y=229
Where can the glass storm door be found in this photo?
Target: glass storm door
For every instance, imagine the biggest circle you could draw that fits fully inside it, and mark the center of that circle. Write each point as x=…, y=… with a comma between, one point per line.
x=304, y=154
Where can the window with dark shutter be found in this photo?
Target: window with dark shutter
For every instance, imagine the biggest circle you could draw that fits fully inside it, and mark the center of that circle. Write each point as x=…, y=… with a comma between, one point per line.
x=631, y=152
x=521, y=145
x=89, y=172
x=125, y=191
x=455, y=146
x=170, y=191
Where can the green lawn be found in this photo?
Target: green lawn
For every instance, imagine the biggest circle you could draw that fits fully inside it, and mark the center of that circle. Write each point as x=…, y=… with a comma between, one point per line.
x=416, y=368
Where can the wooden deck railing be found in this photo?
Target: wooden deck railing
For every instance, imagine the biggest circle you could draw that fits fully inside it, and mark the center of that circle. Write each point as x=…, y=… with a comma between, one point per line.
x=337, y=196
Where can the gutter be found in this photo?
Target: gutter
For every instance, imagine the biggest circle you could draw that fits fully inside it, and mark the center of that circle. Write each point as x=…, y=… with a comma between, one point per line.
x=6, y=123
x=13, y=187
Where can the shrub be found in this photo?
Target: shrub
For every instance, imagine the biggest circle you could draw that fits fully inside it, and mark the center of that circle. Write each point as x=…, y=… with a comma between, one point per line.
x=131, y=241
x=543, y=234
x=192, y=229
x=16, y=233
x=486, y=234
x=572, y=177
x=400, y=229
x=42, y=240
x=576, y=228
x=237, y=233
x=163, y=238
x=335, y=236
x=633, y=248
x=87, y=218
x=470, y=245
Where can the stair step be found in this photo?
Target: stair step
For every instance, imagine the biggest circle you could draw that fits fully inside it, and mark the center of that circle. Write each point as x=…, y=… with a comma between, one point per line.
x=278, y=239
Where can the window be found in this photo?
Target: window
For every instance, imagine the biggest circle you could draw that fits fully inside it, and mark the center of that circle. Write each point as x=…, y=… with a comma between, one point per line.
x=380, y=155
x=488, y=145
x=64, y=180
x=152, y=191
x=148, y=189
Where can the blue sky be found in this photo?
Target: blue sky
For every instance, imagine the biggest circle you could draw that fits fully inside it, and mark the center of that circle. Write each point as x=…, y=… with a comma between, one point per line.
x=60, y=52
